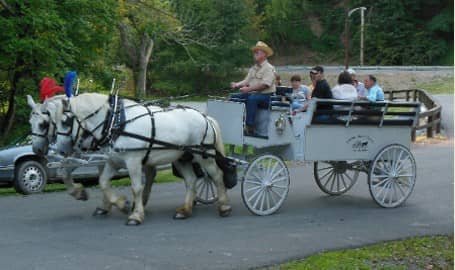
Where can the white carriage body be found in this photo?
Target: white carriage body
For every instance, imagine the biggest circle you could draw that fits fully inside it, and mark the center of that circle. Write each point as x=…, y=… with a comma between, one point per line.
x=303, y=140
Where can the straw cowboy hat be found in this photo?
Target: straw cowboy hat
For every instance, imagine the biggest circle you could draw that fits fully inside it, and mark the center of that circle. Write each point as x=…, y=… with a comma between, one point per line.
x=263, y=47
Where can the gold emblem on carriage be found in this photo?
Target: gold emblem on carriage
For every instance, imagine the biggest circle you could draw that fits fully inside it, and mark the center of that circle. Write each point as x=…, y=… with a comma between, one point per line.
x=360, y=143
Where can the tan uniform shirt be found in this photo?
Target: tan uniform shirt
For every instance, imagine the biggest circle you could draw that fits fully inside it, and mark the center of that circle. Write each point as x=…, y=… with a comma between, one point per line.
x=261, y=74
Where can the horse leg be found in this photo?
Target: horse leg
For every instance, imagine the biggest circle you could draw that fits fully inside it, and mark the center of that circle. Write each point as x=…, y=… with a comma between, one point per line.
x=215, y=173
x=74, y=189
x=135, y=171
x=150, y=174
x=109, y=196
x=186, y=170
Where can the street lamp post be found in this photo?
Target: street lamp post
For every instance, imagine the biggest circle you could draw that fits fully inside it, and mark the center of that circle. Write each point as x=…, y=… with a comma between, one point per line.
x=362, y=23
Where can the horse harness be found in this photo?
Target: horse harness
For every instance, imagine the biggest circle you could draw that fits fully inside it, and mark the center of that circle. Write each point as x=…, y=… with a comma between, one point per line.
x=44, y=126
x=114, y=125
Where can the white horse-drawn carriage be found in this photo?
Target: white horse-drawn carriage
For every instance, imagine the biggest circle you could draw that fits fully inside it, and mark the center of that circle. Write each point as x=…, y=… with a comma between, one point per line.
x=341, y=138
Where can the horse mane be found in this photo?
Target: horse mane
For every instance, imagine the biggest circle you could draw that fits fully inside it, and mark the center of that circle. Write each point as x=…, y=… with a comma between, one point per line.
x=85, y=104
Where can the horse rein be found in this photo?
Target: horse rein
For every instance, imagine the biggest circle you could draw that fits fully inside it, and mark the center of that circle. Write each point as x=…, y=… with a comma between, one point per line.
x=81, y=137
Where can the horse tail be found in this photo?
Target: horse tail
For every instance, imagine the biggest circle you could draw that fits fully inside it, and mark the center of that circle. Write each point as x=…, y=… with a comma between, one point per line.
x=219, y=146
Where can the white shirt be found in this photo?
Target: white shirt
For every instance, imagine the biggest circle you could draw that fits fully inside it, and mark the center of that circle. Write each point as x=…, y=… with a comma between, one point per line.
x=344, y=92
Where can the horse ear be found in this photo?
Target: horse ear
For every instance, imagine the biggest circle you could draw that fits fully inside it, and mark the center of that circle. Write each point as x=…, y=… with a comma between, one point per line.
x=30, y=102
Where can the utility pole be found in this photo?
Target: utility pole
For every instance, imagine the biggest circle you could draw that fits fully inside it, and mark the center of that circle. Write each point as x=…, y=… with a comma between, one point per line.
x=346, y=41
x=362, y=26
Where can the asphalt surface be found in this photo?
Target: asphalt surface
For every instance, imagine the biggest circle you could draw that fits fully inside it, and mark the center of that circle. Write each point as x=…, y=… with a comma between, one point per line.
x=53, y=231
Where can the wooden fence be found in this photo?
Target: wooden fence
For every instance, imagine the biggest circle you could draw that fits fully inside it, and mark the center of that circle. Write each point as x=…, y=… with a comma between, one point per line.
x=430, y=120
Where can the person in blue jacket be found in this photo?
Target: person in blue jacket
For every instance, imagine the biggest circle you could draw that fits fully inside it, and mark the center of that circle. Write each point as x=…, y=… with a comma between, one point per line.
x=375, y=92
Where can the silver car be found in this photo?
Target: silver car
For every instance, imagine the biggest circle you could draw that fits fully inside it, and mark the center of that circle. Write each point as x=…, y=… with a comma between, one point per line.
x=28, y=173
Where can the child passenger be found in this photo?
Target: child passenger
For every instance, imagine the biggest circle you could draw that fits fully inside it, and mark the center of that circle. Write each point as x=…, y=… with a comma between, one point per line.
x=299, y=95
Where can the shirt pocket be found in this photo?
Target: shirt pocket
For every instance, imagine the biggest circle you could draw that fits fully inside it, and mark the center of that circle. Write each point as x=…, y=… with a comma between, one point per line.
x=259, y=75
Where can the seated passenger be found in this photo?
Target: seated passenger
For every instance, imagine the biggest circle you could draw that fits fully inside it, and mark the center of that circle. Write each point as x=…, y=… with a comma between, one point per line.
x=258, y=85
x=300, y=94
x=375, y=92
x=361, y=90
x=344, y=90
x=321, y=87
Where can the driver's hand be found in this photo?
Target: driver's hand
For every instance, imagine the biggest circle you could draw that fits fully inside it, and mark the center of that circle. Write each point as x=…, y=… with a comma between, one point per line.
x=245, y=89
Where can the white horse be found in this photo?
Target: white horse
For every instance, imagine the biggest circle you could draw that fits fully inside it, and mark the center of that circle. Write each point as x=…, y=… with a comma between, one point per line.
x=43, y=126
x=151, y=136
x=43, y=133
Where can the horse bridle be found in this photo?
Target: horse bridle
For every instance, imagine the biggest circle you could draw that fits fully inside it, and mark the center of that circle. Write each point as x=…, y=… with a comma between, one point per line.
x=45, y=126
x=80, y=138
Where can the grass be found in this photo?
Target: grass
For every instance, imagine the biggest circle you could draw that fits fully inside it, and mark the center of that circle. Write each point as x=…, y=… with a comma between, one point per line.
x=164, y=176
x=429, y=252
x=440, y=86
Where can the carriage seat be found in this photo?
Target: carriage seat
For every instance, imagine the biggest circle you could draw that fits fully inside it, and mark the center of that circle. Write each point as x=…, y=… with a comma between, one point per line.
x=275, y=100
x=366, y=113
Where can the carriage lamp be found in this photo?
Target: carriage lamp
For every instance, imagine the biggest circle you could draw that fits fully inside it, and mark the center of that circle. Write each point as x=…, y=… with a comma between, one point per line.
x=280, y=124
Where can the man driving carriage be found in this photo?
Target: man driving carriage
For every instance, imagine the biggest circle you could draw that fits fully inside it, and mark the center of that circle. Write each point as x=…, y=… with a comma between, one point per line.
x=258, y=85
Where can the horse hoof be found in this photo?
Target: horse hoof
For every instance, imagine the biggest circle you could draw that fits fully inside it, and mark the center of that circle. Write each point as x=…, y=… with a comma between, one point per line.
x=100, y=212
x=226, y=212
x=133, y=222
x=126, y=208
x=83, y=196
x=179, y=215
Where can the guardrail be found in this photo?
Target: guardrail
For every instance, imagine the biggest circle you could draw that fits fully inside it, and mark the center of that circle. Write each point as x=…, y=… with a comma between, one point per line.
x=367, y=68
x=431, y=118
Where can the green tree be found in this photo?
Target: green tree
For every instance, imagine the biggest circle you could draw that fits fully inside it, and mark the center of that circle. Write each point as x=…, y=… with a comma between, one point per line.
x=47, y=37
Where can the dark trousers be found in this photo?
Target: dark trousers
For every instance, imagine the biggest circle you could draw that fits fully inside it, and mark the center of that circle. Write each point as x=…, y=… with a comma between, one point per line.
x=253, y=102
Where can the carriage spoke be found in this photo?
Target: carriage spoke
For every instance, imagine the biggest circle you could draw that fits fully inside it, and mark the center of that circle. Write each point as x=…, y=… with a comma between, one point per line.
x=322, y=177
x=258, y=199
x=277, y=186
x=279, y=179
x=253, y=182
x=329, y=178
x=253, y=188
x=255, y=194
x=264, y=194
x=342, y=180
x=277, y=194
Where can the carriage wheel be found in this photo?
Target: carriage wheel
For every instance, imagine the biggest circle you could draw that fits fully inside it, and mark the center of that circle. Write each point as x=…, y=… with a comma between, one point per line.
x=392, y=176
x=335, y=177
x=265, y=185
x=206, y=192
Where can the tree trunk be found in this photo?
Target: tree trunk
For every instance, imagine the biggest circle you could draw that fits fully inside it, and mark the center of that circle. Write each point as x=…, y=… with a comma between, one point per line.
x=8, y=120
x=145, y=52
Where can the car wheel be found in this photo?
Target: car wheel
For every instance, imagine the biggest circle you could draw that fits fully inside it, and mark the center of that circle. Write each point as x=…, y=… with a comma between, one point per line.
x=30, y=177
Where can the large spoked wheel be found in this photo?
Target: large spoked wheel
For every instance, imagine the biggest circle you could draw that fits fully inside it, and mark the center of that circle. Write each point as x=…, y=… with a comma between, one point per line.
x=265, y=185
x=392, y=176
x=335, y=177
x=206, y=190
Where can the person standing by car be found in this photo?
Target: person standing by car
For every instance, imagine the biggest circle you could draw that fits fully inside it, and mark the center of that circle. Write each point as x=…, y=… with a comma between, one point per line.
x=258, y=85
x=375, y=92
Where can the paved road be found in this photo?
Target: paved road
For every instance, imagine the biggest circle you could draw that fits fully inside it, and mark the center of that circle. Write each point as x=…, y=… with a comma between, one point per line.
x=52, y=231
